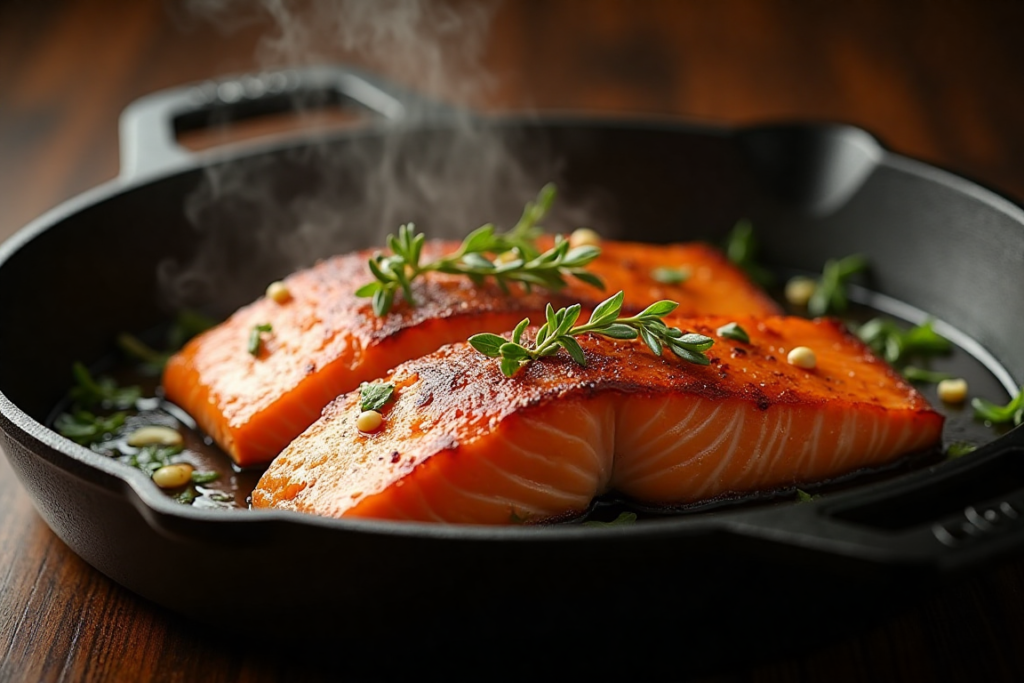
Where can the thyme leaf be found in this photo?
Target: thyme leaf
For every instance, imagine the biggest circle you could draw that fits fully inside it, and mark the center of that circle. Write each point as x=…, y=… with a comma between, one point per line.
x=559, y=330
x=733, y=331
x=514, y=257
x=255, y=338
x=374, y=396
x=671, y=276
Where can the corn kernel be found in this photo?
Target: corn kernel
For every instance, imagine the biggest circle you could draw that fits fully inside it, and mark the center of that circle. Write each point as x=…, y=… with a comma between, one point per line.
x=278, y=291
x=802, y=357
x=584, y=237
x=953, y=390
x=369, y=421
x=155, y=435
x=799, y=290
x=173, y=476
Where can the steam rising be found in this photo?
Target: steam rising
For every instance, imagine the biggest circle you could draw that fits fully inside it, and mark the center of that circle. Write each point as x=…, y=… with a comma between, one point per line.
x=265, y=216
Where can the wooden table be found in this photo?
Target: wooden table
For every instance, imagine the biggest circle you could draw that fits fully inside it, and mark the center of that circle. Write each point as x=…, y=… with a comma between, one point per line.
x=942, y=80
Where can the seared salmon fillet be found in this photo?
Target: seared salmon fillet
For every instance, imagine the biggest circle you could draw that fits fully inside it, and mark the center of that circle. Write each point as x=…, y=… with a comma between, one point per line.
x=462, y=443
x=324, y=341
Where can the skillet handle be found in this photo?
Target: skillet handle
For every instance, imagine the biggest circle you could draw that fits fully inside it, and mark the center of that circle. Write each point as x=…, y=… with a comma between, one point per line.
x=947, y=518
x=149, y=125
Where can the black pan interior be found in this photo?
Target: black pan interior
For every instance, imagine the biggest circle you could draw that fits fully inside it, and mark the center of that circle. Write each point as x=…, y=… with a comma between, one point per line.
x=100, y=265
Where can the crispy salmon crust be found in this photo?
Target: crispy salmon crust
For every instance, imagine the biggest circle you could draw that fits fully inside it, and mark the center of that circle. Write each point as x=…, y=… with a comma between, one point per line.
x=325, y=341
x=462, y=443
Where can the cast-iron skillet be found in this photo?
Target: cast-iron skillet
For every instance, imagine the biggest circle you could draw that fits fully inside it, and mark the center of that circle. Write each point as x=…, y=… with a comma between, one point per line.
x=938, y=244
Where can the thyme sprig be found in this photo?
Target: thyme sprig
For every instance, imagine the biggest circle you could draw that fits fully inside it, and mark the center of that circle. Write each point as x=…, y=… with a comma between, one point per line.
x=559, y=332
x=830, y=293
x=514, y=258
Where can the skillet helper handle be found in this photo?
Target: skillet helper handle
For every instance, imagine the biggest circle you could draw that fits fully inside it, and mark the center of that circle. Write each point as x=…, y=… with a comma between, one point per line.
x=950, y=517
x=149, y=125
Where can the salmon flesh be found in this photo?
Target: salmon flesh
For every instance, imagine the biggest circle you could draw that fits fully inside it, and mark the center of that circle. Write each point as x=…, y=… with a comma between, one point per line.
x=462, y=443
x=324, y=341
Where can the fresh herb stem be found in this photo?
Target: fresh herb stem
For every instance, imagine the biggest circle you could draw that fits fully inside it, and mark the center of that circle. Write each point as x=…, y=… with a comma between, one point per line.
x=916, y=374
x=559, y=332
x=741, y=250
x=103, y=391
x=515, y=259
x=896, y=346
x=830, y=294
x=997, y=414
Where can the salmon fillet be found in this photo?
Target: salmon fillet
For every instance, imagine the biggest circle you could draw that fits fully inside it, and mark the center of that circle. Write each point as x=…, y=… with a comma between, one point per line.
x=462, y=443
x=325, y=341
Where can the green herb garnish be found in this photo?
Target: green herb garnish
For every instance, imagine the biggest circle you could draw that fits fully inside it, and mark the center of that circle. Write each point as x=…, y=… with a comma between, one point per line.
x=558, y=332
x=805, y=497
x=519, y=259
x=515, y=518
x=204, y=477
x=85, y=428
x=741, y=250
x=916, y=374
x=255, y=340
x=889, y=341
x=188, y=496
x=733, y=331
x=151, y=458
x=187, y=324
x=624, y=519
x=671, y=276
x=374, y=396
x=103, y=391
x=958, y=449
x=996, y=414
x=830, y=294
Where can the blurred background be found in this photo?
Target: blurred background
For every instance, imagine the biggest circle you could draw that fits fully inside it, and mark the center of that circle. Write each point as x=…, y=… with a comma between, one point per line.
x=940, y=80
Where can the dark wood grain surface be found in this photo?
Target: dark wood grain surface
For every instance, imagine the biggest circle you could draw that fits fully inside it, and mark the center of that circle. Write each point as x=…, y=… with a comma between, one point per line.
x=942, y=80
